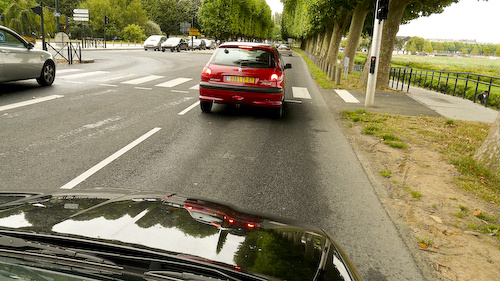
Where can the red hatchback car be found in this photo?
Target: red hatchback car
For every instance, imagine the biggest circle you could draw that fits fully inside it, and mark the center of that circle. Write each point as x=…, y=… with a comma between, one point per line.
x=244, y=73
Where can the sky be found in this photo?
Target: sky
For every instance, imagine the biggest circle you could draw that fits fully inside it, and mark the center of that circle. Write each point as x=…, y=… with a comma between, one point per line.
x=467, y=19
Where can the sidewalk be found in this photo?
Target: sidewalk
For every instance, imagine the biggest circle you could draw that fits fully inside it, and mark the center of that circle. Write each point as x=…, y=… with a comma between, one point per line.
x=415, y=103
x=453, y=107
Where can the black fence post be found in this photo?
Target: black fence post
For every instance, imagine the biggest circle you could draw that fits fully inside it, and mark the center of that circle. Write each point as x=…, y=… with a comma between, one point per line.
x=466, y=84
x=455, y=88
x=409, y=80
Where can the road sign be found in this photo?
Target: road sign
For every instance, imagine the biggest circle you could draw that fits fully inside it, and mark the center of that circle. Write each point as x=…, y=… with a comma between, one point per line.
x=57, y=15
x=81, y=11
x=81, y=18
x=81, y=14
x=193, y=30
x=194, y=33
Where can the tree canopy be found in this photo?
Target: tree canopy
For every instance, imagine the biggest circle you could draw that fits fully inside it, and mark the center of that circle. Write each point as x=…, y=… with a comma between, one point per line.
x=226, y=19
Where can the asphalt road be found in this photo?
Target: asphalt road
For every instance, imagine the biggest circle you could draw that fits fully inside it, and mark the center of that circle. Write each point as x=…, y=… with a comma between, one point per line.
x=130, y=120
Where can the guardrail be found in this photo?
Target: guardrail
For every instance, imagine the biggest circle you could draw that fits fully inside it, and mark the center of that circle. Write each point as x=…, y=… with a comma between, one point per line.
x=73, y=50
x=468, y=85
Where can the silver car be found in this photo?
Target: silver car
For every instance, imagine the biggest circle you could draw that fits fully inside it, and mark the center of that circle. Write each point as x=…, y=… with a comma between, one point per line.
x=154, y=42
x=19, y=60
x=285, y=50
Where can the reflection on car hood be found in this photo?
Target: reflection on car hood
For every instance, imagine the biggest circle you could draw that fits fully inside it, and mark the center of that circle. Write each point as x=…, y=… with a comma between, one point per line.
x=193, y=228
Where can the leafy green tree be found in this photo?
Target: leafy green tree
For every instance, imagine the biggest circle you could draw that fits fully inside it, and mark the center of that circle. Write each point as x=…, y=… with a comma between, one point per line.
x=486, y=51
x=411, y=47
x=497, y=51
x=20, y=17
x=152, y=28
x=428, y=47
x=224, y=19
x=475, y=51
x=133, y=33
x=417, y=43
x=121, y=13
x=168, y=14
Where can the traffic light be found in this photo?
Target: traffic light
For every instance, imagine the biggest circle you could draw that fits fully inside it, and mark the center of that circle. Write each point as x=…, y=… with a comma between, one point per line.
x=106, y=19
x=37, y=10
x=373, y=60
x=383, y=9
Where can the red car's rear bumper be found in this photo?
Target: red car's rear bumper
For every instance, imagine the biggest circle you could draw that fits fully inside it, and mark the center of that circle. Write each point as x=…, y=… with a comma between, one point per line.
x=256, y=96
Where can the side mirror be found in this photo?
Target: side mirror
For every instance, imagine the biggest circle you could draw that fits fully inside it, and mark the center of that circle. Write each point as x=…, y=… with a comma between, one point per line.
x=30, y=46
x=288, y=65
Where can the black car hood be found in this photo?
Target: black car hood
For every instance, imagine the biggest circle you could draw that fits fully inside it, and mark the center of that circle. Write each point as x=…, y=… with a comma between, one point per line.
x=191, y=228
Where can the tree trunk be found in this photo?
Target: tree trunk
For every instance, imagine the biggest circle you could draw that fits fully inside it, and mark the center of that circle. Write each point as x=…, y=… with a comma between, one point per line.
x=317, y=46
x=310, y=45
x=357, y=22
x=326, y=41
x=339, y=26
x=391, y=27
x=489, y=153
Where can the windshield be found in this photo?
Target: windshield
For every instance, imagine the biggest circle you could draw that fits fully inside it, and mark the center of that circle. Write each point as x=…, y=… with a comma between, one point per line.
x=255, y=58
x=173, y=40
x=154, y=39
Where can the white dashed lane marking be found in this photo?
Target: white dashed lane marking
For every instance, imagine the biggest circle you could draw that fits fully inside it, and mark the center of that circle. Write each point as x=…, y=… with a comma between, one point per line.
x=301, y=93
x=346, y=96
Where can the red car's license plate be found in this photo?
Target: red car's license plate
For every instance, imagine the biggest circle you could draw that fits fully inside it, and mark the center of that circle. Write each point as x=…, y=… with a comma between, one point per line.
x=240, y=79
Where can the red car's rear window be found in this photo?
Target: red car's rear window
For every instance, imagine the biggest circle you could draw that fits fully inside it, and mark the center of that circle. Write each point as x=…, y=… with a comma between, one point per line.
x=253, y=58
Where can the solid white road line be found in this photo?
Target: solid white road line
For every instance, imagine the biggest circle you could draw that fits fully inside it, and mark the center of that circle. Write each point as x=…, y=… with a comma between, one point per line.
x=177, y=91
x=143, y=79
x=189, y=108
x=346, y=96
x=301, y=93
x=29, y=102
x=108, y=160
x=173, y=83
x=141, y=88
x=109, y=85
x=81, y=75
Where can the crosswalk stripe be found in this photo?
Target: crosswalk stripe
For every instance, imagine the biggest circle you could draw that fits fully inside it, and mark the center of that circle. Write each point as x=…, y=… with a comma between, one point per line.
x=173, y=83
x=113, y=77
x=62, y=71
x=86, y=74
x=301, y=93
x=346, y=96
x=142, y=80
x=195, y=87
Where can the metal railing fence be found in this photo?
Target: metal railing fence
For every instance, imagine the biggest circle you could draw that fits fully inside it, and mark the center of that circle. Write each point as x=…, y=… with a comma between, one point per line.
x=464, y=84
x=67, y=50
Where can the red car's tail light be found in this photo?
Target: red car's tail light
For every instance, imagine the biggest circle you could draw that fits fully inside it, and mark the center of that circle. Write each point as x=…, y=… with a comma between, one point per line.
x=274, y=77
x=188, y=207
x=245, y=47
x=206, y=71
x=250, y=225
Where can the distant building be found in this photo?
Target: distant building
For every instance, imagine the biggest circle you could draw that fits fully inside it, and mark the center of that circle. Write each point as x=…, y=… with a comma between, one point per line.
x=469, y=41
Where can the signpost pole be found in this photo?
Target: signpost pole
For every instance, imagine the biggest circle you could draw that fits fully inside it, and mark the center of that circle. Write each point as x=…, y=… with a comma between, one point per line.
x=381, y=11
x=57, y=17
